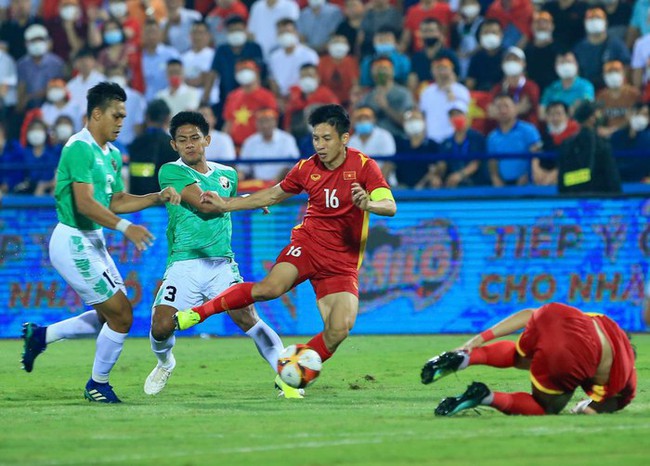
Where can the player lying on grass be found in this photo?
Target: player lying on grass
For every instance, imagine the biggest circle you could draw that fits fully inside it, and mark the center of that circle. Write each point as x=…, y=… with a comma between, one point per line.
x=344, y=186
x=562, y=347
x=200, y=262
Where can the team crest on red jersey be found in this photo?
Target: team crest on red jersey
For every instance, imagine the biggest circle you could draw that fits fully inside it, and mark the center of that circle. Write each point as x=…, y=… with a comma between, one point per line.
x=347, y=176
x=315, y=176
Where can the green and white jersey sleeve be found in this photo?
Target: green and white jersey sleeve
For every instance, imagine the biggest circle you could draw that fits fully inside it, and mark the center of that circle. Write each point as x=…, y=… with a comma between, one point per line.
x=84, y=161
x=191, y=234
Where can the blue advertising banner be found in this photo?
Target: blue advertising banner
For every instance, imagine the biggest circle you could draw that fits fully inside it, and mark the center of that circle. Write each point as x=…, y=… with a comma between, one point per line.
x=438, y=266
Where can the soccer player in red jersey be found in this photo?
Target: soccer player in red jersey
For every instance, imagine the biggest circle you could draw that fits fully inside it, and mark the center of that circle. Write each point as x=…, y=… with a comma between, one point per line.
x=562, y=347
x=344, y=187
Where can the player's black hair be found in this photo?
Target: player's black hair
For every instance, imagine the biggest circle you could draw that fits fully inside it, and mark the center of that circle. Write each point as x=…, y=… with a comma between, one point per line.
x=101, y=95
x=189, y=118
x=158, y=111
x=333, y=115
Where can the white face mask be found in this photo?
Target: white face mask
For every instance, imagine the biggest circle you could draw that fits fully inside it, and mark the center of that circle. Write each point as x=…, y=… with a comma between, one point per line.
x=338, y=50
x=236, y=38
x=119, y=80
x=543, y=36
x=613, y=80
x=566, y=70
x=56, y=94
x=63, y=132
x=308, y=84
x=69, y=12
x=553, y=129
x=287, y=39
x=414, y=127
x=316, y=3
x=36, y=137
x=512, y=68
x=490, y=41
x=595, y=26
x=470, y=11
x=639, y=122
x=245, y=77
x=118, y=9
x=37, y=48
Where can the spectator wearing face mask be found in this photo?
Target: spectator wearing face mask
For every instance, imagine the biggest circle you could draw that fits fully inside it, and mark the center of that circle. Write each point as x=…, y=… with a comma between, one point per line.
x=568, y=16
x=618, y=14
x=523, y=91
x=263, y=20
x=485, y=65
x=372, y=140
x=309, y=91
x=177, y=95
x=285, y=61
x=14, y=26
x=440, y=11
x=41, y=157
x=570, y=88
x=68, y=30
x=37, y=68
x=338, y=70
x=598, y=48
x=317, y=22
x=464, y=35
x=88, y=75
x=178, y=24
x=242, y=103
x=135, y=104
x=558, y=128
x=155, y=56
x=116, y=52
x=617, y=99
x=542, y=50
x=197, y=63
x=385, y=46
x=58, y=103
x=217, y=18
x=351, y=24
x=515, y=17
x=465, y=142
x=63, y=128
x=379, y=14
x=635, y=136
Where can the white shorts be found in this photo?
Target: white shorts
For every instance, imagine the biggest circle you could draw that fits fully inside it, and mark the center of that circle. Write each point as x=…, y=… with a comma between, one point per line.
x=192, y=282
x=81, y=258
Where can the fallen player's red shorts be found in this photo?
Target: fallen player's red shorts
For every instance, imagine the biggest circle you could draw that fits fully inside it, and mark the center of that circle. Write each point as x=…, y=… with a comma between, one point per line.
x=328, y=272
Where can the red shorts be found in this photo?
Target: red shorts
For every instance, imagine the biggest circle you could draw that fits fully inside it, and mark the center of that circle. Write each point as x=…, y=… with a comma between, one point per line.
x=565, y=349
x=328, y=272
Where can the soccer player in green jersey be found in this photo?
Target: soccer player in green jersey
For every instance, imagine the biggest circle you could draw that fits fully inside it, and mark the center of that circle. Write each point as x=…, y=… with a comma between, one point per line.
x=200, y=262
x=89, y=193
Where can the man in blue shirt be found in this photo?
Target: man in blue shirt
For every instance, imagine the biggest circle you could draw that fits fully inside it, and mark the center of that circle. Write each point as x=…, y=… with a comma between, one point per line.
x=385, y=45
x=634, y=137
x=570, y=88
x=512, y=136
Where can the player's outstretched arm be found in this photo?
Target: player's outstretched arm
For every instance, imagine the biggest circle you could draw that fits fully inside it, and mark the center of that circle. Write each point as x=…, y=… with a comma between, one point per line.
x=123, y=203
x=263, y=198
x=379, y=202
x=509, y=325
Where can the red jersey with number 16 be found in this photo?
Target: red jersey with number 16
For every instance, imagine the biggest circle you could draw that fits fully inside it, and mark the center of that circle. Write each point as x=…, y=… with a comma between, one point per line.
x=332, y=223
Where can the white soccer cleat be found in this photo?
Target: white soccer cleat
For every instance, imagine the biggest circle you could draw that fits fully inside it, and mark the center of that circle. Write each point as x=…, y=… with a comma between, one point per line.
x=158, y=378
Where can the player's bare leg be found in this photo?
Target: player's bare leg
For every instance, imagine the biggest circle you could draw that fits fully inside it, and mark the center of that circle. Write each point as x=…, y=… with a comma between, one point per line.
x=162, y=341
x=339, y=313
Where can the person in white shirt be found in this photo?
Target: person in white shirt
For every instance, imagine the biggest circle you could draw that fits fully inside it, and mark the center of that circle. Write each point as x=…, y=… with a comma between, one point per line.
x=264, y=14
x=436, y=99
x=136, y=107
x=286, y=61
x=197, y=62
x=177, y=25
x=88, y=76
x=268, y=142
x=373, y=140
x=8, y=80
x=59, y=103
x=221, y=148
x=178, y=95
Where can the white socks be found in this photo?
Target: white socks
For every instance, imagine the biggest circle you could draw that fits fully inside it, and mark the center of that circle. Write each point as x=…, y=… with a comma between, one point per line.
x=163, y=350
x=267, y=341
x=83, y=325
x=109, y=347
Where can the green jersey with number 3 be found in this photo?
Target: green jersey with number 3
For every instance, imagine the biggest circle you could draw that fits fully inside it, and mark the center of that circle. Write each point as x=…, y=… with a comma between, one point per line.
x=84, y=161
x=191, y=234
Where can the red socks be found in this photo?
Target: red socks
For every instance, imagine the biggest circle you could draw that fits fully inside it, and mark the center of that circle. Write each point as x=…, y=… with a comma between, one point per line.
x=318, y=344
x=500, y=354
x=236, y=297
x=517, y=403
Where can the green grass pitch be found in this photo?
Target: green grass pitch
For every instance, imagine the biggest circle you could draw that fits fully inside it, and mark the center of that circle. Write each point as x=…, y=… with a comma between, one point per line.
x=367, y=408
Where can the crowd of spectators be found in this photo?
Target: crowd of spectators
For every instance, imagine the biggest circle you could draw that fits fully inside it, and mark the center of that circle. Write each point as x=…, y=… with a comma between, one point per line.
x=437, y=84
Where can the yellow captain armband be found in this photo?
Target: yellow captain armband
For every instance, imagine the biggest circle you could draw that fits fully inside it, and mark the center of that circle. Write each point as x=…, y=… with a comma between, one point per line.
x=380, y=194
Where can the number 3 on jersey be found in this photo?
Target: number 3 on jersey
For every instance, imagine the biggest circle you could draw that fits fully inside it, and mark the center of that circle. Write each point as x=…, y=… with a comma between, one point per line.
x=331, y=201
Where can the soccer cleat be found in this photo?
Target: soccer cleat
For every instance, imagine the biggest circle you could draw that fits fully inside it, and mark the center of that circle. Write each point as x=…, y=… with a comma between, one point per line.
x=186, y=319
x=472, y=397
x=100, y=392
x=158, y=377
x=33, y=344
x=442, y=365
x=287, y=391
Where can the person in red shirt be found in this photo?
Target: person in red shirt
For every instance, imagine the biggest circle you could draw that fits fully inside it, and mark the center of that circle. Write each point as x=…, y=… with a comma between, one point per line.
x=425, y=9
x=227, y=8
x=338, y=70
x=309, y=91
x=562, y=347
x=344, y=187
x=513, y=13
x=242, y=103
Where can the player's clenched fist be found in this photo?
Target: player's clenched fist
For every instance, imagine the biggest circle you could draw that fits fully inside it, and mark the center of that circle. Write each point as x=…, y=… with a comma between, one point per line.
x=359, y=196
x=140, y=236
x=170, y=195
